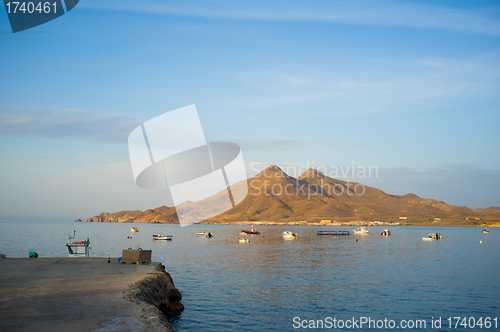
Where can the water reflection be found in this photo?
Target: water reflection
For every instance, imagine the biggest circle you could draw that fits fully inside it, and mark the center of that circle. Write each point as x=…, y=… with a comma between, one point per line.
x=263, y=284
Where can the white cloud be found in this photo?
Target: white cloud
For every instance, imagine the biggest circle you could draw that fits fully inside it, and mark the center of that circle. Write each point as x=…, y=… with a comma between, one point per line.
x=275, y=143
x=370, y=84
x=64, y=122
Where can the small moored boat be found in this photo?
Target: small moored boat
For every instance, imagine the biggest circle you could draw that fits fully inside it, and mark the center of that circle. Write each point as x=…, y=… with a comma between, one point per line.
x=289, y=235
x=432, y=236
x=134, y=229
x=486, y=231
x=78, y=248
x=361, y=230
x=253, y=231
x=204, y=234
x=242, y=240
x=386, y=232
x=160, y=237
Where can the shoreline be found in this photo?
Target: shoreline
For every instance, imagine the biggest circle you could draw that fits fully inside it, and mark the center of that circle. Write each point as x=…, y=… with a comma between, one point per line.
x=353, y=224
x=494, y=224
x=50, y=294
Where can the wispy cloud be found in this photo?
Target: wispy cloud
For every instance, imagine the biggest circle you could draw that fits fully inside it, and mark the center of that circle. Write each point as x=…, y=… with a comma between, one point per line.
x=364, y=12
x=371, y=85
x=64, y=122
x=276, y=143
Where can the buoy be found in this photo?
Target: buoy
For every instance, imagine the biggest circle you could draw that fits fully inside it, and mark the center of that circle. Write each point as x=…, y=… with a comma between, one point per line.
x=226, y=239
x=480, y=241
x=109, y=261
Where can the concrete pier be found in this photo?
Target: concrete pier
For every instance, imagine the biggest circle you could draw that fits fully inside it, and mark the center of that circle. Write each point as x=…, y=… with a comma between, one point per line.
x=80, y=294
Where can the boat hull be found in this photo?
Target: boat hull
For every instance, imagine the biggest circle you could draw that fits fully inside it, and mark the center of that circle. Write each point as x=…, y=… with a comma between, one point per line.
x=249, y=232
x=78, y=249
x=162, y=238
x=432, y=237
x=361, y=231
x=289, y=235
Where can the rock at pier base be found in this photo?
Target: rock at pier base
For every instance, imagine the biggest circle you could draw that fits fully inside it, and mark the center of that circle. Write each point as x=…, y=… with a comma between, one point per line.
x=156, y=296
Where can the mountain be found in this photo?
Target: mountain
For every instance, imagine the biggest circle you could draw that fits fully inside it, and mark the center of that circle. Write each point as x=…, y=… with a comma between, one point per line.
x=274, y=196
x=492, y=208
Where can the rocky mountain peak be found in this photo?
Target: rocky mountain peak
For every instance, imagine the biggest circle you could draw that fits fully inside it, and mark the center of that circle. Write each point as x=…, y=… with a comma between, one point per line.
x=311, y=173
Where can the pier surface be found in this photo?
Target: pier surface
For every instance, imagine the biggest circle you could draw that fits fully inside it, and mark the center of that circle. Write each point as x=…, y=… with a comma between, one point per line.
x=72, y=294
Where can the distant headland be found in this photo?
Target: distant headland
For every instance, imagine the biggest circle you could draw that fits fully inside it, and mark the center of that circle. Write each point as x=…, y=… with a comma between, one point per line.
x=315, y=199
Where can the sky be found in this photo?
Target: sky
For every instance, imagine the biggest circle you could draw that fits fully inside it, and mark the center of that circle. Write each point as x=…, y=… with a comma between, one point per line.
x=409, y=87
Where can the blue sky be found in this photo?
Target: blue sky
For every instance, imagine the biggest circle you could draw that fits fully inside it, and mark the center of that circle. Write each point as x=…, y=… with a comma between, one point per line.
x=411, y=87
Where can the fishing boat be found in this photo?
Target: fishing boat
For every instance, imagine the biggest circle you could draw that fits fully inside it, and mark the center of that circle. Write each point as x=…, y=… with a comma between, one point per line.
x=253, y=231
x=432, y=236
x=160, y=237
x=242, y=240
x=386, y=232
x=134, y=229
x=78, y=248
x=486, y=231
x=289, y=235
x=204, y=234
x=361, y=230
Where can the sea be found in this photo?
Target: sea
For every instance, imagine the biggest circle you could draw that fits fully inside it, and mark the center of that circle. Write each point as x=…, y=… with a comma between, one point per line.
x=352, y=282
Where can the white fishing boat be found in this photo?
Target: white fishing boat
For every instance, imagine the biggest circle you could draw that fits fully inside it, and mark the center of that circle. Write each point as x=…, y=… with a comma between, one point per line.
x=204, y=234
x=486, y=231
x=287, y=235
x=242, y=240
x=386, y=232
x=160, y=237
x=134, y=229
x=432, y=237
x=78, y=248
x=361, y=230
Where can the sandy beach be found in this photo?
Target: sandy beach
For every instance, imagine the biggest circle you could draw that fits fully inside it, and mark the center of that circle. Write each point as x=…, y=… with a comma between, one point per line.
x=73, y=294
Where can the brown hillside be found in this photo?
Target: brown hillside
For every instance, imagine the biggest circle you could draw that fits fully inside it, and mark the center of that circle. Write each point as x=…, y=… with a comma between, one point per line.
x=275, y=196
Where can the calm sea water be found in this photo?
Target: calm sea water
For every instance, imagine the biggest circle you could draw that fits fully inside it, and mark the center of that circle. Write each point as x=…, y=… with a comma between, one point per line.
x=264, y=284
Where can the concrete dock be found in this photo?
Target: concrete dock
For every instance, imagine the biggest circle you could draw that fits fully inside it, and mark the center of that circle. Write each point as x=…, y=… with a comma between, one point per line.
x=74, y=294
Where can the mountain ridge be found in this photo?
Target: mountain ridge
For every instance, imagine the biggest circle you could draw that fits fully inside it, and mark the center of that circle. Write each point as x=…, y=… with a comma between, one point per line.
x=274, y=196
